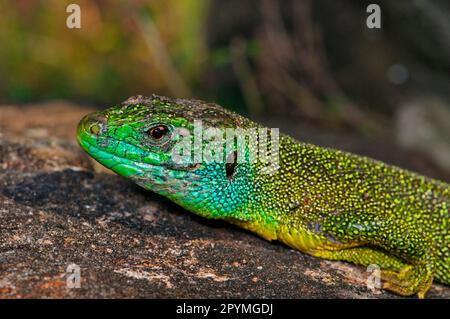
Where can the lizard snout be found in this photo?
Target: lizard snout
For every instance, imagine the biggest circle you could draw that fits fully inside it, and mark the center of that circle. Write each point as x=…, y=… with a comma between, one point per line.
x=93, y=123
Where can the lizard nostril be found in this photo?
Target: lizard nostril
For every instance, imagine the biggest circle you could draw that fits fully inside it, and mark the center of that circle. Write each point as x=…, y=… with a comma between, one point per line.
x=95, y=129
x=93, y=123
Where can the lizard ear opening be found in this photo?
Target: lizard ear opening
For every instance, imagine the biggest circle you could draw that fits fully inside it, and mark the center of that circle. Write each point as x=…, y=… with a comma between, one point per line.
x=230, y=165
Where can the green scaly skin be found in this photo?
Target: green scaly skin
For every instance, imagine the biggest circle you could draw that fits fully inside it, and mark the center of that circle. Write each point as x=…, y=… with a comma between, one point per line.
x=324, y=202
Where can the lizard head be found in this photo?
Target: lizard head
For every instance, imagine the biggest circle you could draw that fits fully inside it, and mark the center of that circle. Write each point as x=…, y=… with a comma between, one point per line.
x=152, y=141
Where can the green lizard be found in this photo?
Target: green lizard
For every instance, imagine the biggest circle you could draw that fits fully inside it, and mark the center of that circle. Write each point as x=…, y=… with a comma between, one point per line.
x=324, y=202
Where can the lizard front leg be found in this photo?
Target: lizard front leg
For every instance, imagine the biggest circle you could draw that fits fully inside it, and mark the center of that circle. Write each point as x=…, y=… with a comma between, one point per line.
x=395, y=272
x=406, y=256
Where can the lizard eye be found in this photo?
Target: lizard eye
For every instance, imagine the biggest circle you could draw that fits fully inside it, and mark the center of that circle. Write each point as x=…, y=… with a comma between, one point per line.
x=158, y=132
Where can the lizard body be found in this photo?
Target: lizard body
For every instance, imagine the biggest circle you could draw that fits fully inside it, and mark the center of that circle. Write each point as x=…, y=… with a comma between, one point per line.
x=324, y=202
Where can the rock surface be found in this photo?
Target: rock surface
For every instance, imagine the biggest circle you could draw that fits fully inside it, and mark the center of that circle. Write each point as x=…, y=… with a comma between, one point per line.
x=58, y=208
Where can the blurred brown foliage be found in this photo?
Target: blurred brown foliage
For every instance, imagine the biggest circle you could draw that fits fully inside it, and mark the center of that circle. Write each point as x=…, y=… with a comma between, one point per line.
x=109, y=58
x=313, y=60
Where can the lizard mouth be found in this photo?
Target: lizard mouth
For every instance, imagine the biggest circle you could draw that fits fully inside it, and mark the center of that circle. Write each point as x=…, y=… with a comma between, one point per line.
x=138, y=170
x=158, y=178
x=112, y=152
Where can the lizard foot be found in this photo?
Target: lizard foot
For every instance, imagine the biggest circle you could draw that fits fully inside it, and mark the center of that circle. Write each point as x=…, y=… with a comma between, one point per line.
x=408, y=281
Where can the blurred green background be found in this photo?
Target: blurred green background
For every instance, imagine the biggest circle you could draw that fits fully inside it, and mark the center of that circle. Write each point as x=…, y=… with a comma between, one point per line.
x=309, y=61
